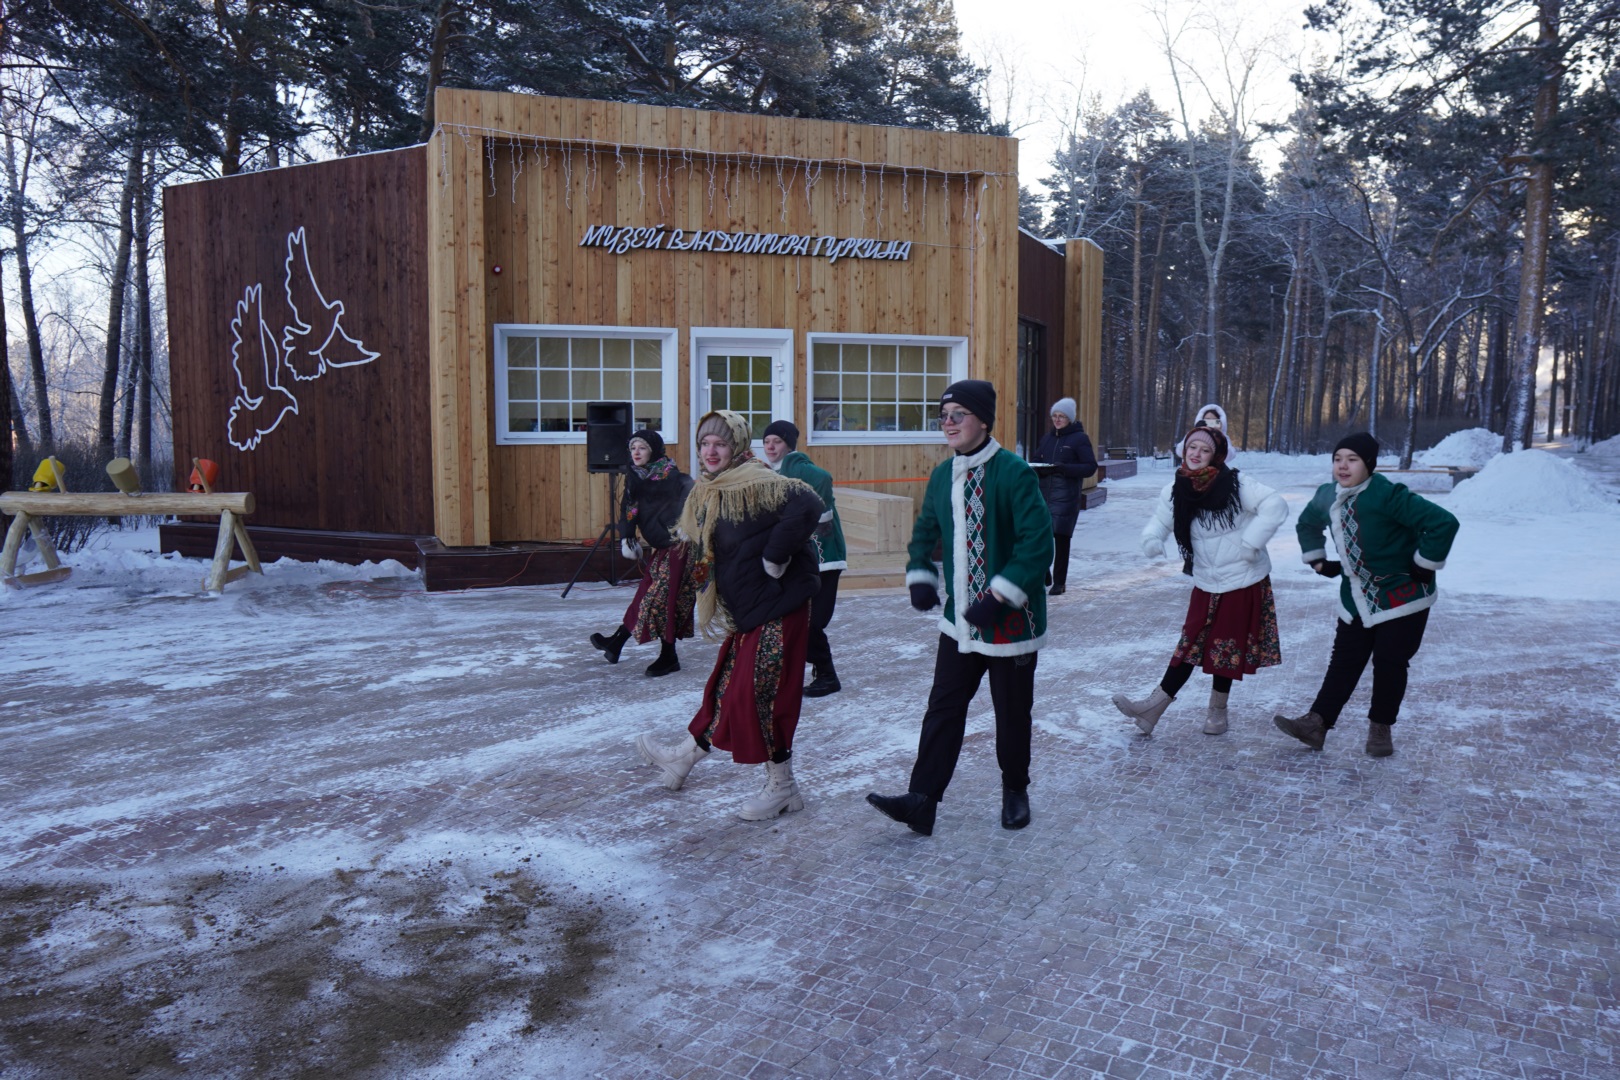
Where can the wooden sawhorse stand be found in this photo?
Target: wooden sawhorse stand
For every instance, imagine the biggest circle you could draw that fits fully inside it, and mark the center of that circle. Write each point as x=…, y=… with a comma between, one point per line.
x=28, y=507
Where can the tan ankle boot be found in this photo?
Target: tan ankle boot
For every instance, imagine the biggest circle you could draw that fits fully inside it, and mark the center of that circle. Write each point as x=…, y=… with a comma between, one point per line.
x=674, y=761
x=1215, y=715
x=1145, y=713
x=780, y=795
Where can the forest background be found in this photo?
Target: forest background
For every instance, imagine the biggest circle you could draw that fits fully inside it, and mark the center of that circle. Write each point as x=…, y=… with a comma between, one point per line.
x=1432, y=217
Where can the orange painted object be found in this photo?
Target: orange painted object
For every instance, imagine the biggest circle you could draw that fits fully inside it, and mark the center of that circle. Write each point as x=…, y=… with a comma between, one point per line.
x=205, y=475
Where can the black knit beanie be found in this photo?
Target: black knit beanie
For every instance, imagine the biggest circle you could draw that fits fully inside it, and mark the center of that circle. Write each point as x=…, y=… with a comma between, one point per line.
x=653, y=440
x=976, y=396
x=784, y=430
x=1363, y=445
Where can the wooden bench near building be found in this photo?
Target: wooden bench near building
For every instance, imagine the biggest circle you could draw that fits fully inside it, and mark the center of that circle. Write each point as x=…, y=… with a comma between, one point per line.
x=395, y=352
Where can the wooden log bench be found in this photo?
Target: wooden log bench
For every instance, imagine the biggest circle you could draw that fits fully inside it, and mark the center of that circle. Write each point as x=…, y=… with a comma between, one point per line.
x=28, y=507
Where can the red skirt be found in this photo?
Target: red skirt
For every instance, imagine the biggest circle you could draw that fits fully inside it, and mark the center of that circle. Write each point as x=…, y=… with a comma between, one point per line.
x=665, y=598
x=752, y=700
x=1232, y=633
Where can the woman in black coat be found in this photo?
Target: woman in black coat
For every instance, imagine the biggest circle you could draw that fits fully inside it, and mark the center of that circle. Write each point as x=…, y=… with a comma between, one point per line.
x=1066, y=458
x=748, y=534
x=655, y=492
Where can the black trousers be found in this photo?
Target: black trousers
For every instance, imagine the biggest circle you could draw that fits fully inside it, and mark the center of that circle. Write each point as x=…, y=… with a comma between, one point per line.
x=956, y=679
x=1390, y=646
x=1060, y=561
x=821, y=613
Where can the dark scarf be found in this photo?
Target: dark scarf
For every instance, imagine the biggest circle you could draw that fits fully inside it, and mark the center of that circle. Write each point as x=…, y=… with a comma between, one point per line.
x=654, y=470
x=1209, y=496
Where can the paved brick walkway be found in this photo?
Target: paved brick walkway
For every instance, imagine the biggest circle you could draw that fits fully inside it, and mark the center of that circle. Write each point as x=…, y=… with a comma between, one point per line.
x=1232, y=907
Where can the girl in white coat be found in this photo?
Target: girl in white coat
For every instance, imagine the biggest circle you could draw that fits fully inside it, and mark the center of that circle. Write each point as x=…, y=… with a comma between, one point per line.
x=1211, y=415
x=1221, y=522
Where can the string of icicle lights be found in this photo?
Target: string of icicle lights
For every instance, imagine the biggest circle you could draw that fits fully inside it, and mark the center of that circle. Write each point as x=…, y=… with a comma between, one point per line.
x=725, y=173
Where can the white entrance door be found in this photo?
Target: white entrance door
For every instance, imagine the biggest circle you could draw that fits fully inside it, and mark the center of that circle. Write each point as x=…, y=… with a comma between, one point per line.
x=746, y=371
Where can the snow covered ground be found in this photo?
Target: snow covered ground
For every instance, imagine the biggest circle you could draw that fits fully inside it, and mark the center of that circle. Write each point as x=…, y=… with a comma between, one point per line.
x=328, y=824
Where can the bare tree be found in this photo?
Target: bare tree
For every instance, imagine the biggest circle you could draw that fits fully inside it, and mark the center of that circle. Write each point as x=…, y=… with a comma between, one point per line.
x=1232, y=56
x=22, y=114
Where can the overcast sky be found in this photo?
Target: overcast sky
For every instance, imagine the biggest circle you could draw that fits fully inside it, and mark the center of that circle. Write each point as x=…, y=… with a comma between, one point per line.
x=1057, y=50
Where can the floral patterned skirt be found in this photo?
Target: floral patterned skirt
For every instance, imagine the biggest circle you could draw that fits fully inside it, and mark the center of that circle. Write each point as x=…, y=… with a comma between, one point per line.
x=663, y=604
x=752, y=700
x=1232, y=633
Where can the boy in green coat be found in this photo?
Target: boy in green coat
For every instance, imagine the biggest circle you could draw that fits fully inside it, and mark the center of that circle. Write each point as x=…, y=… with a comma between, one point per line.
x=983, y=505
x=782, y=454
x=1390, y=543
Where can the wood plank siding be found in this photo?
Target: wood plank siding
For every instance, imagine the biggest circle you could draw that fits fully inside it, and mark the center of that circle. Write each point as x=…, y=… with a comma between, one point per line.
x=1082, y=346
x=516, y=180
x=356, y=454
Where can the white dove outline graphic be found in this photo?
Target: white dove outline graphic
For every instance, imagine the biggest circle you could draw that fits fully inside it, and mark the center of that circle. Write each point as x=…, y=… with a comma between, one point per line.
x=327, y=313
x=249, y=410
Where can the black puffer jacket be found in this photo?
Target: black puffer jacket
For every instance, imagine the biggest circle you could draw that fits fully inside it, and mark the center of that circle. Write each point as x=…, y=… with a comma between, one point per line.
x=657, y=505
x=1070, y=451
x=751, y=595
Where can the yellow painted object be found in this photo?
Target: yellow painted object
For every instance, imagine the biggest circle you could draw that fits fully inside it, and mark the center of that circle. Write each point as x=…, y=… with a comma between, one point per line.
x=50, y=476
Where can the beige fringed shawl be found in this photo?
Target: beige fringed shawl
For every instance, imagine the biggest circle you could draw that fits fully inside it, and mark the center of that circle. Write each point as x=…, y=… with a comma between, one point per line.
x=745, y=490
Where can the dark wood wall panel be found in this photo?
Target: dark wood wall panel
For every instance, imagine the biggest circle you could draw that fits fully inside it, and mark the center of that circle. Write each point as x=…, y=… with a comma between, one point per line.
x=357, y=455
x=1041, y=298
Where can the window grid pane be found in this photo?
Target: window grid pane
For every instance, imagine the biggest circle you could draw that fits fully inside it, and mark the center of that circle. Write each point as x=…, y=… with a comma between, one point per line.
x=743, y=385
x=877, y=387
x=574, y=370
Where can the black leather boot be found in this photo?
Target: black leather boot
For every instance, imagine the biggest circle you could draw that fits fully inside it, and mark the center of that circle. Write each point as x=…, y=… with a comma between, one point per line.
x=912, y=810
x=667, y=660
x=1380, y=741
x=1014, y=808
x=611, y=646
x=826, y=682
x=1309, y=729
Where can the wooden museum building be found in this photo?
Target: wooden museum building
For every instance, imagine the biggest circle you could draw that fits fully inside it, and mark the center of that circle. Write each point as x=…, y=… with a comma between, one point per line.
x=396, y=353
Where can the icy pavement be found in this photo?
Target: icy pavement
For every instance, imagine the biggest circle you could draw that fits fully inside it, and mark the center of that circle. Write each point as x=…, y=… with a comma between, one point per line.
x=328, y=825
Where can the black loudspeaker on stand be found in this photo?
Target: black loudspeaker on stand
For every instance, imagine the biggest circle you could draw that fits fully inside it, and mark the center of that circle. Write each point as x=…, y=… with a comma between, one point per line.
x=607, y=450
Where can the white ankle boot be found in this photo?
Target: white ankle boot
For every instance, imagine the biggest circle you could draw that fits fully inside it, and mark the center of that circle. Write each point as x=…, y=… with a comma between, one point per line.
x=1145, y=713
x=675, y=761
x=780, y=795
x=1215, y=715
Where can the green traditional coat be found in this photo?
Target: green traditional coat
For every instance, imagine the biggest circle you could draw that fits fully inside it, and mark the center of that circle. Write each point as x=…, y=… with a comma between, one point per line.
x=987, y=512
x=1380, y=528
x=829, y=540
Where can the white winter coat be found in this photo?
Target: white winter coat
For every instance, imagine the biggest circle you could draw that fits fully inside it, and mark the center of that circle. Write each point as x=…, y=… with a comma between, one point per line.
x=1231, y=451
x=1224, y=559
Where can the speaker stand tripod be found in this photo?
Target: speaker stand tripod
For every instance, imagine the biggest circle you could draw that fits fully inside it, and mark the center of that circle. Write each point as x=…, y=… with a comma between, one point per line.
x=607, y=532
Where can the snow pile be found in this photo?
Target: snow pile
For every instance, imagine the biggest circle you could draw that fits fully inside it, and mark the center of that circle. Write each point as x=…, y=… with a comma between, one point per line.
x=130, y=558
x=1607, y=450
x=1473, y=448
x=1530, y=481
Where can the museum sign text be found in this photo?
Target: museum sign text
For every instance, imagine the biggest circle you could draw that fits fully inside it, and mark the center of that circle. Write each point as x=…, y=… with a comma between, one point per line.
x=623, y=238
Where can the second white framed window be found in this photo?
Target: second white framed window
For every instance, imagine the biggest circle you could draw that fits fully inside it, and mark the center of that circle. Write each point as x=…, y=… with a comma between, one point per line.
x=874, y=388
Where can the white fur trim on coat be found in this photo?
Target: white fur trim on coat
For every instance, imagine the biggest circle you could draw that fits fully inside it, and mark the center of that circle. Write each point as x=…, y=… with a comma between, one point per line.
x=1009, y=592
x=1221, y=562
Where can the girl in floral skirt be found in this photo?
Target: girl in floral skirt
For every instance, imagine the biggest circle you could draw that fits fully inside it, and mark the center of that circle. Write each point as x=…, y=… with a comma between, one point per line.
x=748, y=533
x=654, y=495
x=1221, y=523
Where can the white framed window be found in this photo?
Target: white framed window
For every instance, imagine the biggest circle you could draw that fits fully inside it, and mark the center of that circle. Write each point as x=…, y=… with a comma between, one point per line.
x=878, y=388
x=749, y=371
x=545, y=376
